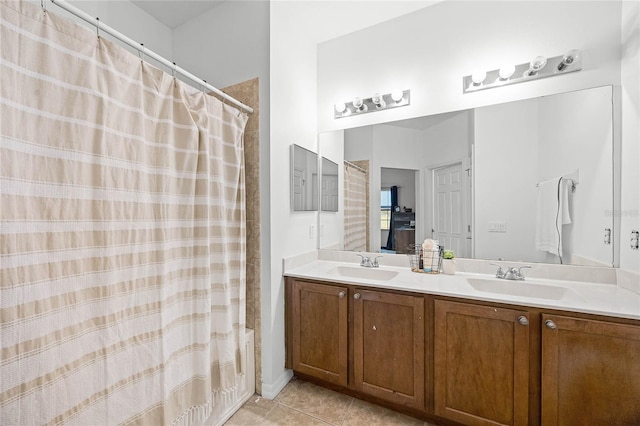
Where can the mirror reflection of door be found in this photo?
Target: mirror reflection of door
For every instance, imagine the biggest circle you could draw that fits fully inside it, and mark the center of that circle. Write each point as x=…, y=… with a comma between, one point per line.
x=450, y=226
x=330, y=193
x=298, y=189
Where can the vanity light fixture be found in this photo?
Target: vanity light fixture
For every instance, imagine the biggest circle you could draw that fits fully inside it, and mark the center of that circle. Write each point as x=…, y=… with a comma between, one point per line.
x=377, y=102
x=539, y=67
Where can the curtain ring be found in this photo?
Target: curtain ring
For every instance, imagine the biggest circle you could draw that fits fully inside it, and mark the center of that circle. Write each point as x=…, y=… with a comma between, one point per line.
x=203, y=86
x=174, y=70
x=43, y=4
x=141, y=52
x=98, y=27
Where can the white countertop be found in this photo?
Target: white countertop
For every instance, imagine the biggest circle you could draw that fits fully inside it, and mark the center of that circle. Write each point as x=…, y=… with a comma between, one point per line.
x=591, y=298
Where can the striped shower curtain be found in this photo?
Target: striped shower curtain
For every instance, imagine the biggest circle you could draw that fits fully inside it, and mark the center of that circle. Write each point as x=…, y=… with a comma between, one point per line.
x=356, y=207
x=122, y=234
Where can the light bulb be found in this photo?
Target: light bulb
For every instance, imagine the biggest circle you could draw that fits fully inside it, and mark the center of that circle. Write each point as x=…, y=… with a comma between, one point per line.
x=340, y=107
x=506, y=71
x=378, y=101
x=536, y=65
x=569, y=58
x=359, y=105
x=478, y=77
x=397, y=95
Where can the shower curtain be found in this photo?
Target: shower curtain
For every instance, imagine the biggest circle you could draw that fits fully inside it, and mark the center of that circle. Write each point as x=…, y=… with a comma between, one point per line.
x=355, y=207
x=122, y=234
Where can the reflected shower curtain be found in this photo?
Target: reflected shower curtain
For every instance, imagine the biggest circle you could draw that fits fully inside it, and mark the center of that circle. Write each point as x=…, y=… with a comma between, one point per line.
x=355, y=207
x=122, y=234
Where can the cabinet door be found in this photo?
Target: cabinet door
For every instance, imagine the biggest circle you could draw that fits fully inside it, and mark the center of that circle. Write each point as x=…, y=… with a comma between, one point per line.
x=319, y=340
x=590, y=372
x=388, y=344
x=481, y=364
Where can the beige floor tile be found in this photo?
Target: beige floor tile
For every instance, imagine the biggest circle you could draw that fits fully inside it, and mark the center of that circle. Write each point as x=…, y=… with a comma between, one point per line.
x=301, y=403
x=253, y=412
x=364, y=413
x=316, y=401
x=285, y=416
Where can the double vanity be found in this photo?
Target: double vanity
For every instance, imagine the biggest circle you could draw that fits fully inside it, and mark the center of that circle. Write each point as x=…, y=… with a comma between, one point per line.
x=560, y=347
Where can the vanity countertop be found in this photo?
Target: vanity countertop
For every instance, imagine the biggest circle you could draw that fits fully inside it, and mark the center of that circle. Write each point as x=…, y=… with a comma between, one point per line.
x=584, y=297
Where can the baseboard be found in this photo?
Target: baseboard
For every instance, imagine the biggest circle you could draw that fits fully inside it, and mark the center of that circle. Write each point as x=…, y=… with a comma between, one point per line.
x=270, y=391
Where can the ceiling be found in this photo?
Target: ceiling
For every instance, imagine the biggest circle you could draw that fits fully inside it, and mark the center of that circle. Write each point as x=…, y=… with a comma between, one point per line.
x=175, y=13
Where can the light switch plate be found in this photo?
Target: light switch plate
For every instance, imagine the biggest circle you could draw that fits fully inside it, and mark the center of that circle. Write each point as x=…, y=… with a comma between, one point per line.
x=498, y=227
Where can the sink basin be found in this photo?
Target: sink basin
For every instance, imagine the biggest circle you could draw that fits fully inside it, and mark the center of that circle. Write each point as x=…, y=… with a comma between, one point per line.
x=518, y=288
x=363, y=273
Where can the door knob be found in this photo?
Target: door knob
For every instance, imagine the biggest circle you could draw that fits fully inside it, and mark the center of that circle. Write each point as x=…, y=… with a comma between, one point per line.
x=342, y=294
x=523, y=320
x=357, y=296
x=550, y=324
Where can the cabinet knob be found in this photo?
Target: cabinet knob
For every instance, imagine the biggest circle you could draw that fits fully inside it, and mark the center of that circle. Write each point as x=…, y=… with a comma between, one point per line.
x=342, y=294
x=523, y=320
x=550, y=324
x=357, y=296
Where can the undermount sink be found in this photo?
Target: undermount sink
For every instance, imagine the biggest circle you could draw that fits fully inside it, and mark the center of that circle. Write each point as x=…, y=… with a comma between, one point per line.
x=518, y=288
x=363, y=273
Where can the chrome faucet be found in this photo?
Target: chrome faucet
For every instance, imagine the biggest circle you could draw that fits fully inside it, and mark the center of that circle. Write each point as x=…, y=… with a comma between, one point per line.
x=514, y=274
x=366, y=261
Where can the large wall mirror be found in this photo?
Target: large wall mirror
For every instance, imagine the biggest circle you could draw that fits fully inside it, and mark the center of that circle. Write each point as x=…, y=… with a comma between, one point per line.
x=480, y=181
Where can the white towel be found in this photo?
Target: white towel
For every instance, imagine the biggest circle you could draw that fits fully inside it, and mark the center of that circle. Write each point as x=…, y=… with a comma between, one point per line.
x=553, y=212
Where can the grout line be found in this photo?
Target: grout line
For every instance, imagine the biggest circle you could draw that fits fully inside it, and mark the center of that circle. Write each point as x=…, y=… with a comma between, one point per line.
x=306, y=414
x=344, y=416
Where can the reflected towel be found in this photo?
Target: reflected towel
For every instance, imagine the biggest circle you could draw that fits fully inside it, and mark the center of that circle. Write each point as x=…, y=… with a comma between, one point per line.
x=552, y=213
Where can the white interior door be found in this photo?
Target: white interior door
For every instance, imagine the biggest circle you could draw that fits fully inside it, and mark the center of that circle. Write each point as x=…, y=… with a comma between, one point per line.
x=449, y=224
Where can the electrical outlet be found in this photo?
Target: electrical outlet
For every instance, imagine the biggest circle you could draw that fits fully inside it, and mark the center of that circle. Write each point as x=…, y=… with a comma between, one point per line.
x=635, y=240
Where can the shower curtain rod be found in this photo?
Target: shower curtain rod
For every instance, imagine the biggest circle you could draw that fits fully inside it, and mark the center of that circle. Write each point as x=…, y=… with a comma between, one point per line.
x=355, y=166
x=123, y=38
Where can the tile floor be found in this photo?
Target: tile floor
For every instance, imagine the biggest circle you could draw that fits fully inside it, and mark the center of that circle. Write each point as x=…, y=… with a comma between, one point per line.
x=302, y=403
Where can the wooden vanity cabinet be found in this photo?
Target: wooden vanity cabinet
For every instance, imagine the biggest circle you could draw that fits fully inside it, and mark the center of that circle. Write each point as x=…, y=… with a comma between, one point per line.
x=590, y=372
x=387, y=334
x=388, y=346
x=481, y=364
x=465, y=361
x=318, y=326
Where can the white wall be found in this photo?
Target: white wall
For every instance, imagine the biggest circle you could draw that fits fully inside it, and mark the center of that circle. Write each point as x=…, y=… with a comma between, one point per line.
x=124, y=17
x=227, y=44
x=630, y=190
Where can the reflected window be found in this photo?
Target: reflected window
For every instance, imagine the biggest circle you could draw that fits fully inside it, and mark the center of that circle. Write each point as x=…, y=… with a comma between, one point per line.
x=385, y=209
